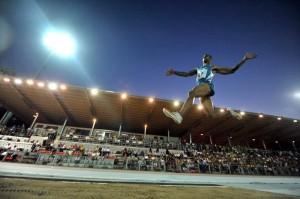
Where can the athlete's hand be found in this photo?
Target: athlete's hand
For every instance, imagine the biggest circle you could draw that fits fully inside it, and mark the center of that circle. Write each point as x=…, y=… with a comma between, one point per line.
x=170, y=71
x=249, y=56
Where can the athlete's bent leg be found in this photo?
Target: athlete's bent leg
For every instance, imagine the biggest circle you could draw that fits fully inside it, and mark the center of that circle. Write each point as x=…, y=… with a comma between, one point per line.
x=208, y=106
x=199, y=91
x=187, y=104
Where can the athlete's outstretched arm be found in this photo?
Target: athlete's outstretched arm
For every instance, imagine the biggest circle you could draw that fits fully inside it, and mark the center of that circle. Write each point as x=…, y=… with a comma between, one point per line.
x=182, y=74
x=227, y=70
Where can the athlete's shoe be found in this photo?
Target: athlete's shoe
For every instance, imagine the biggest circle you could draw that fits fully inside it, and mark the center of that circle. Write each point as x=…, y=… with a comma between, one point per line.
x=235, y=114
x=173, y=115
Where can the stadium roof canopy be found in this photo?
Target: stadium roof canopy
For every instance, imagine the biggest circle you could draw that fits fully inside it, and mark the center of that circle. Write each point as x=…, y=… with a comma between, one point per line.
x=55, y=103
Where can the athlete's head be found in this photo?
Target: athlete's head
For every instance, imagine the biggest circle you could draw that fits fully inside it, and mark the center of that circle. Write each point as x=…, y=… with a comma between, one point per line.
x=206, y=59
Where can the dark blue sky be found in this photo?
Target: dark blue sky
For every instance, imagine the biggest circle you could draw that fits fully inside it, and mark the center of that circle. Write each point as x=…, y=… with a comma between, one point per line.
x=128, y=45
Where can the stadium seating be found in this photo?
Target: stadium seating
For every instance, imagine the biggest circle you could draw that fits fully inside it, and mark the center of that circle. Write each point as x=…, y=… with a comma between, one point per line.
x=130, y=151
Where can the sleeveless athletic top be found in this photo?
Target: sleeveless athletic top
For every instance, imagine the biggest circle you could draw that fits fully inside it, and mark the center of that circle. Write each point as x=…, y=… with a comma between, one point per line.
x=205, y=75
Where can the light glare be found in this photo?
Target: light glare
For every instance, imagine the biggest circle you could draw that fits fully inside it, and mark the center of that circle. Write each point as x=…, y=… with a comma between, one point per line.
x=94, y=91
x=123, y=96
x=63, y=87
x=222, y=110
x=176, y=103
x=18, y=81
x=60, y=43
x=261, y=116
x=200, y=107
x=6, y=79
x=41, y=84
x=297, y=94
x=52, y=86
x=30, y=82
x=151, y=100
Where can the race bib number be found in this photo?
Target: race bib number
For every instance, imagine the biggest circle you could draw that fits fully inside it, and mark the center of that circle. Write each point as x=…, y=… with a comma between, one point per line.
x=202, y=73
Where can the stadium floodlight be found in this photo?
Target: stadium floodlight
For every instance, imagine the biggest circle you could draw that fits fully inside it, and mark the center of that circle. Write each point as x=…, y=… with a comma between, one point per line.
x=279, y=118
x=94, y=91
x=151, y=99
x=18, y=81
x=30, y=82
x=295, y=121
x=260, y=115
x=52, y=86
x=200, y=107
x=6, y=79
x=60, y=43
x=297, y=95
x=222, y=110
x=176, y=103
x=124, y=96
x=242, y=113
x=41, y=84
x=63, y=87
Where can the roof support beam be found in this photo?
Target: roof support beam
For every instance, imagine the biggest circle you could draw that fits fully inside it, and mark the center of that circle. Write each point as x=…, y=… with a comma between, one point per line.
x=123, y=111
x=31, y=105
x=256, y=128
x=17, y=113
x=150, y=114
x=91, y=105
x=270, y=131
x=253, y=132
x=226, y=127
x=231, y=131
x=285, y=132
x=293, y=133
x=64, y=108
x=190, y=129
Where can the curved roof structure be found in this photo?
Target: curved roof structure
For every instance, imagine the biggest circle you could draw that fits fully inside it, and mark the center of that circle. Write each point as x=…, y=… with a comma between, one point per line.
x=55, y=103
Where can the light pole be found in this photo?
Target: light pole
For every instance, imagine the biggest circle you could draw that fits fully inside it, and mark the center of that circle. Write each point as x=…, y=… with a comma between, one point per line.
x=145, y=130
x=36, y=115
x=92, y=129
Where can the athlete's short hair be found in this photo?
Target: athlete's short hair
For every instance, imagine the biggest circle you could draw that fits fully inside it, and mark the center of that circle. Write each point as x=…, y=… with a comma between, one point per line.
x=207, y=55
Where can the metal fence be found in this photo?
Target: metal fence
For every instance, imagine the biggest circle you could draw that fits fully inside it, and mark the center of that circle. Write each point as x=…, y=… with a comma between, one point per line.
x=161, y=164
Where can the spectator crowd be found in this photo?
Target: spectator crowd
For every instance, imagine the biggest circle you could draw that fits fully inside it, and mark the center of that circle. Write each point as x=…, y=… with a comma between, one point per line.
x=192, y=158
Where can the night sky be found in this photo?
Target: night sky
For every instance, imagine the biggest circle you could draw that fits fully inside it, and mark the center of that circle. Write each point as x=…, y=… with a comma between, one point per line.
x=128, y=45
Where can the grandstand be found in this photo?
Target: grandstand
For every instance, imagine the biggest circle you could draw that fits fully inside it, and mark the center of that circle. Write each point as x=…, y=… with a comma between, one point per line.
x=75, y=126
x=80, y=106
